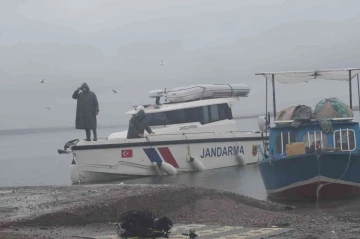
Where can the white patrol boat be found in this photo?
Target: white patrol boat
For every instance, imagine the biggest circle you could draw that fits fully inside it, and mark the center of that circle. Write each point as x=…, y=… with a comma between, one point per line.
x=194, y=131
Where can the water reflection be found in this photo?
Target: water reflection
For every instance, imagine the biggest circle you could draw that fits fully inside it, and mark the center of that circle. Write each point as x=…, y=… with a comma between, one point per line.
x=242, y=180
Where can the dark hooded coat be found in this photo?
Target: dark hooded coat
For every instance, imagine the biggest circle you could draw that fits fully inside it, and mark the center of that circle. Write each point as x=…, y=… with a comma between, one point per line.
x=86, y=109
x=137, y=125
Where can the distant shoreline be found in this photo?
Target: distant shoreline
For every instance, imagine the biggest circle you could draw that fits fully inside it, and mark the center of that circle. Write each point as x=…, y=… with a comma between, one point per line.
x=5, y=132
x=355, y=108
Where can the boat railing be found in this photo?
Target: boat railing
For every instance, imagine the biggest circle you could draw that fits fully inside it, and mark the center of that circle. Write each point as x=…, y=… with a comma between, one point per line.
x=315, y=120
x=169, y=134
x=214, y=133
x=177, y=134
x=243, y=131
x=193, y=133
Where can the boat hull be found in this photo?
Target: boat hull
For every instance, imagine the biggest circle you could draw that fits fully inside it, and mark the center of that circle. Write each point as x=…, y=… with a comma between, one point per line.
x=298, y=177
x=99, y=162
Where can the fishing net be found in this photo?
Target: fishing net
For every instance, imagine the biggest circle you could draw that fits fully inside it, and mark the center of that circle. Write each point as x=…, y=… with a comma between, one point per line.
x=285, y=114
x=332, y=108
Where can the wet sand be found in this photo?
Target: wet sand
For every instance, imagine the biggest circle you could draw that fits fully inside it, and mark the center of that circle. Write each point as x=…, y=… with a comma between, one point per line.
x=51, y=211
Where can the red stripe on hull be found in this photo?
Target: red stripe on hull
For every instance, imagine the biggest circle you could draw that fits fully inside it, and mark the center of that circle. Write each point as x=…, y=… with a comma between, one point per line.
x=327, y=192
x=168, y=157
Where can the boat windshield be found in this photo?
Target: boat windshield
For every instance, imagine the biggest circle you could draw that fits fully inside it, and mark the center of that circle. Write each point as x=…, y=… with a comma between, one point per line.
x=203, y=115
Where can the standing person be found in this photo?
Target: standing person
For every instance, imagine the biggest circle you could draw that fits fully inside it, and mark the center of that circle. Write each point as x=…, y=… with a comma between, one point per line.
x=137, y=126
x=86, y=110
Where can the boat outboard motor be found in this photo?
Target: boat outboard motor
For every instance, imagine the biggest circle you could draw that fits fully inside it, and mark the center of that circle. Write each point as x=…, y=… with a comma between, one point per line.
x=68, y=145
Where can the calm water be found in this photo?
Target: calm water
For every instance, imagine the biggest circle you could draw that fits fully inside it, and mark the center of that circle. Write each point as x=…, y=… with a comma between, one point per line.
x=32, y=160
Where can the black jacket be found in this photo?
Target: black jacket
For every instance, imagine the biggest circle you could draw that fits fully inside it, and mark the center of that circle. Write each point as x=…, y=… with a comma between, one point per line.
x=137, y=125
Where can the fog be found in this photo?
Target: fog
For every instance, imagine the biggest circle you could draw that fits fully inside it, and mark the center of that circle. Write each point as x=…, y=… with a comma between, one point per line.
x=113, y=44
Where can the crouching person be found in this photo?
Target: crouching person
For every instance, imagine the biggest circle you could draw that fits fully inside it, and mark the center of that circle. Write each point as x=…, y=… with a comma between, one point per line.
x=137, y=126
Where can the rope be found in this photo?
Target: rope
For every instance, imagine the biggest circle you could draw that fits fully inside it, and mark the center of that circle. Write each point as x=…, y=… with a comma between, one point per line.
x=322, y=185
x=236, y=144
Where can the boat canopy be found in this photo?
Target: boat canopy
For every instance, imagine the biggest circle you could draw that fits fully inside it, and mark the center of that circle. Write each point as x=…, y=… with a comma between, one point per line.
x=292, y=77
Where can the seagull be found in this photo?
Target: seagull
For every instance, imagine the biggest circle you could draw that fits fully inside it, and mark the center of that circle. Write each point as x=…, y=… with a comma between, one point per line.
x=49, y=107
x=115, y=91
x=161, y=63
x=42, y=81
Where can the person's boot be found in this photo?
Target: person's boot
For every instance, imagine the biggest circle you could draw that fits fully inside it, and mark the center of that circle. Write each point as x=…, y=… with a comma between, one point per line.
x=95, y=134
x=88, y=134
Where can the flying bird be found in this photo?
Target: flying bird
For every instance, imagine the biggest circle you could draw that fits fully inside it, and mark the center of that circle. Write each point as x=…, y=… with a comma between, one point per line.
x=49, y=107
x=161, y=63
x=115, y=91
x=42, y=81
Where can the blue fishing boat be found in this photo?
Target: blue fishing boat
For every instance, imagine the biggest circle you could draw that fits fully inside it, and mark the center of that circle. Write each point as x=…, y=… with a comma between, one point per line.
x=312, y=154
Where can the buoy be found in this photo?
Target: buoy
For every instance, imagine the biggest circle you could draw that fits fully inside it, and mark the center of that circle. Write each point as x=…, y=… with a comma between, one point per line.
x=262, y=124
x=241, y=159
x=167, y=168
x=156, y=168
x=195, y=163
x=73, y=172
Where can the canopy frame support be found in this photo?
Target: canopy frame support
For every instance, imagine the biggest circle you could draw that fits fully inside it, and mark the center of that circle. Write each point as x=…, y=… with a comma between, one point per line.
x=350, y=89
x=316, y=75
x=274, y=97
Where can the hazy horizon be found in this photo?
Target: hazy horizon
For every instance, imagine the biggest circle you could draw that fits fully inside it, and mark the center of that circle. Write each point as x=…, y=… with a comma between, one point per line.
x=113, y=44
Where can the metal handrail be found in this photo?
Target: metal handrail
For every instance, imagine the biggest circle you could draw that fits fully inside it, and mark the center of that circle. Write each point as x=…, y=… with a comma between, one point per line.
x=242, y=131
x=153, y=135
x=194, y=133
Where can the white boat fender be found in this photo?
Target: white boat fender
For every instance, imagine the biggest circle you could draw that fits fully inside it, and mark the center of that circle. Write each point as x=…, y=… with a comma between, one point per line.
x=167, y=168
x=74, y=176
x=195, y=163
x=241, y=159
x=156, y=168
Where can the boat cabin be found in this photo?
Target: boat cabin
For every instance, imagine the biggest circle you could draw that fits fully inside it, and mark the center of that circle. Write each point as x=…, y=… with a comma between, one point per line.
x=204, y=112
x=344, y=136
x=196, y=109
x=196, y=103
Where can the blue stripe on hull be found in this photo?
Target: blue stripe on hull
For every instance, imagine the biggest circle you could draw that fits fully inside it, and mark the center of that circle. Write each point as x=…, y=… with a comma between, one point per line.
x=153, y=155
x=284, y=172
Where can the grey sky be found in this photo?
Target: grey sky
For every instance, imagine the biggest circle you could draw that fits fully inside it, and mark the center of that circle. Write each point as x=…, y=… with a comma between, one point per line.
x=114, y=44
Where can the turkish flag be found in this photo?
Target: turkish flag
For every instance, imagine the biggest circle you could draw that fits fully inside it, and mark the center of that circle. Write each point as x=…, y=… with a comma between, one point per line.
x=126, y=153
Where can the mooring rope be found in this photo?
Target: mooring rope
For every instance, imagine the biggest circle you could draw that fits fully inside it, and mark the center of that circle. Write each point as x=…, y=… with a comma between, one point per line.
x=322, y=185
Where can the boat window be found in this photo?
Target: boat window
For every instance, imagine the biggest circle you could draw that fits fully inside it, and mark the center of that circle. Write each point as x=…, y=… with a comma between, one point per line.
x=344, y=139
x=155, y=119
x=175, y=116
x=282, y=139
x=204, y=115
x=214, y=113
x=310, y=138
x=206, y=118
x=184, y=116
x=223, y=111
x=194, y=114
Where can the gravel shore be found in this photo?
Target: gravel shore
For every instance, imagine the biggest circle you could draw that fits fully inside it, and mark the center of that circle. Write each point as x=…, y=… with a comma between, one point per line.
x=55, y=206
